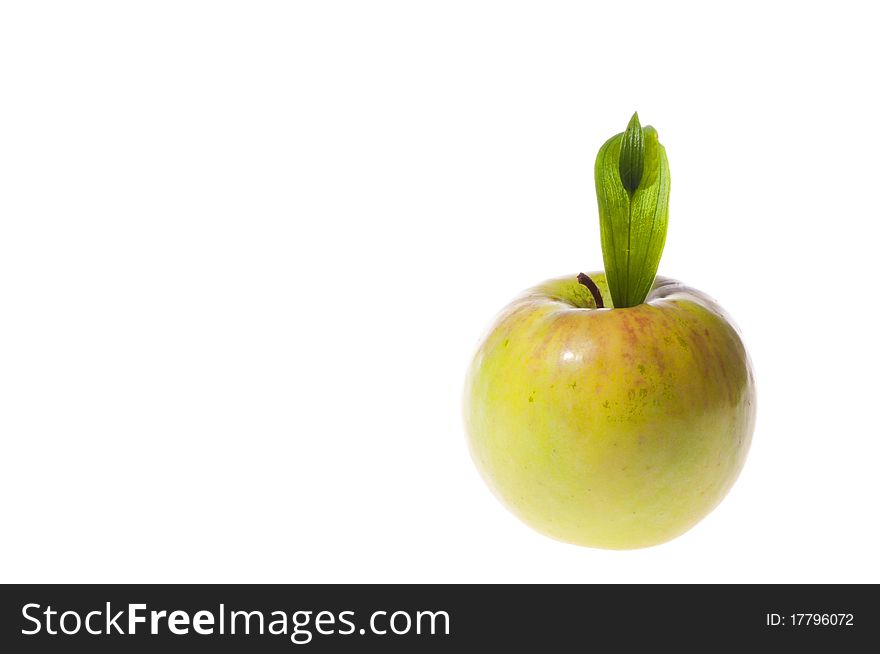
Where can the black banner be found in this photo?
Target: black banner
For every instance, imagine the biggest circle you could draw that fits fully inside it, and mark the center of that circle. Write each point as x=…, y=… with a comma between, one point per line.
x=433, y=618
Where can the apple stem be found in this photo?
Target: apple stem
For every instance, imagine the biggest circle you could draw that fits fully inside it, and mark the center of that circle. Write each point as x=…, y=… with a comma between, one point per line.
x=594, y=290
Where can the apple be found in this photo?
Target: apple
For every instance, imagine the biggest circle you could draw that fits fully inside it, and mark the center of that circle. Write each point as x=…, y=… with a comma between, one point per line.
x=614, y=428
x=613, y=410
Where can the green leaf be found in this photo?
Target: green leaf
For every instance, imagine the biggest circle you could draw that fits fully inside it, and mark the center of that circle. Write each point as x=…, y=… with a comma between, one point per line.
x=633, y=211
x=632, y=155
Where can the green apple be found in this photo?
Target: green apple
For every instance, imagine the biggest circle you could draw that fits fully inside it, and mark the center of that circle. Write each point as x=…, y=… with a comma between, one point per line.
x=613, y=409
x=615, y=428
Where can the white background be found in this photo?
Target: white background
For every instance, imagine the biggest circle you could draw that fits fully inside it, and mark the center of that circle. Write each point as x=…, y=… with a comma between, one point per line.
x=247, y=249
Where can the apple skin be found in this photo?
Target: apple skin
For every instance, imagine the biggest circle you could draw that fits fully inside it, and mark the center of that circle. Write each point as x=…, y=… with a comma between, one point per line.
x=611, y=428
